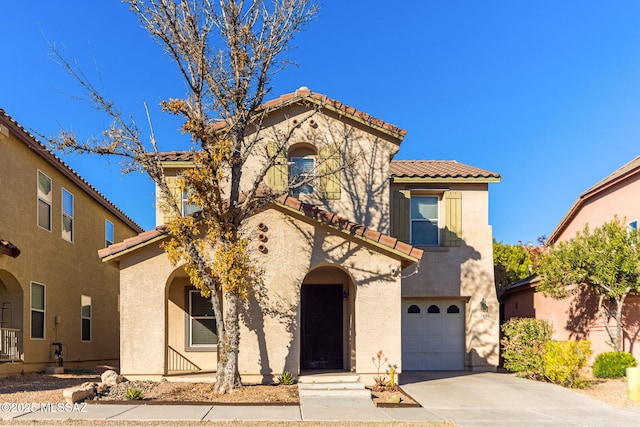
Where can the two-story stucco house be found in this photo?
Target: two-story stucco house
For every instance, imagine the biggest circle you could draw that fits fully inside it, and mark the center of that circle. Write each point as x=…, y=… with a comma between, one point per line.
x=577, y=317
x=53, y=286
x=382, y=255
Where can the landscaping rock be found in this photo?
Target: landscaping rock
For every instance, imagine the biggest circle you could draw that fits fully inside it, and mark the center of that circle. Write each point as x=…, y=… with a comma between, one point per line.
x=111, y=378
x=78, y=394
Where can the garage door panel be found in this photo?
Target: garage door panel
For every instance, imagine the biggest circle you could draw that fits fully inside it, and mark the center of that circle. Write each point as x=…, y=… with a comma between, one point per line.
x=433, y=341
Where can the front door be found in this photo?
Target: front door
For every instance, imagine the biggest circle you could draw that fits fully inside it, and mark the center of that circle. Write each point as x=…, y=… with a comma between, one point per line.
x=321, y=327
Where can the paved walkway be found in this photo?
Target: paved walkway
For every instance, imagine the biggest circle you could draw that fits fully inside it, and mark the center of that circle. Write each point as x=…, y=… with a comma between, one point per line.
x=468, y=399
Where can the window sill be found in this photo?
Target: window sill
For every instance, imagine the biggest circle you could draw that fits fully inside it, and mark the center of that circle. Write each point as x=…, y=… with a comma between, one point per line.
x=433, y=248
x=203, y=349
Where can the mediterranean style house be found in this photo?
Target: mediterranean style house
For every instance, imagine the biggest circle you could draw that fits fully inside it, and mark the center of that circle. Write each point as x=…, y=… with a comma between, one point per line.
x=384, y=255
x=56, y=295
x=577, y=317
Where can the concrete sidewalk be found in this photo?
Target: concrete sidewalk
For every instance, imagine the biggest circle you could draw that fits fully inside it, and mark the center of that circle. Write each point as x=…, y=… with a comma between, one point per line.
x=468, y=399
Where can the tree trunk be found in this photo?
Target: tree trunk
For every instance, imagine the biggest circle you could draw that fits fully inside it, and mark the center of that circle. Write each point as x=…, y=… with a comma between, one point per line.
x=227, y=375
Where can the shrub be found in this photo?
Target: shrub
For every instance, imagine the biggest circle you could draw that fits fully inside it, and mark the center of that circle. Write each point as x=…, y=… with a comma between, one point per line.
x=613, y=364
x=563, y=361
x=134, y=394
x=523, y=346
x=286, y=378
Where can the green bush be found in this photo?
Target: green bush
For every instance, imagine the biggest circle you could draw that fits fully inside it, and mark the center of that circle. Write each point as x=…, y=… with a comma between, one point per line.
x=613, y=364
x=523, y=346
x=563, y=361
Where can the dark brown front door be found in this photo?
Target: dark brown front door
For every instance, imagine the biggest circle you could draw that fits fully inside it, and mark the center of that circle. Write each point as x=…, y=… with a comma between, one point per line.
x=321, y=327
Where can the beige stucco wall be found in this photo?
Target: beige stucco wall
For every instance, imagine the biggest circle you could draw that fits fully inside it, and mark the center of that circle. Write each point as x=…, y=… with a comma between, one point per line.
x=364, y=194
x=68, y=270
x=297, y=249
x=465, y=272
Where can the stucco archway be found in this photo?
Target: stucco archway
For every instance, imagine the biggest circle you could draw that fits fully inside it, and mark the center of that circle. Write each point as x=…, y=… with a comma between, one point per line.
x=327, y=319
x=191, y=344
x=11, y=317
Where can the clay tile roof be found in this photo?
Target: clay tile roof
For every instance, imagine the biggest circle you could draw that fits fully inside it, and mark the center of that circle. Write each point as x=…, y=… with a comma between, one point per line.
x=438, y=169
x=29, y=140
x=304, y=94
x=8, y=248
x=306, y=209
x=176, y=156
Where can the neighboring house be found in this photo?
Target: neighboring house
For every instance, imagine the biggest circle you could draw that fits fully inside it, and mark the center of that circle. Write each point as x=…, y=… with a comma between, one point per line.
x=350, y=267
x=53, y=286
x=577, y=317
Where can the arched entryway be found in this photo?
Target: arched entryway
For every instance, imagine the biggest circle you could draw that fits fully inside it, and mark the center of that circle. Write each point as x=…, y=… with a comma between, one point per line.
x=191, y=337
x=327, y=320
x=11, y=318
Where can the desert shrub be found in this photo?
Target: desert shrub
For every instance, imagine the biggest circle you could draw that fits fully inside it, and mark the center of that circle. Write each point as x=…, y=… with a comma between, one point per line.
x=563, y=361
x=286, y=378
x=134, y=394
x=523, y=345
x=613, y=364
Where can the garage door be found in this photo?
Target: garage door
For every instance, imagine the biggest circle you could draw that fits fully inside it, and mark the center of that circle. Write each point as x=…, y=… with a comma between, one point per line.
x=433, y=335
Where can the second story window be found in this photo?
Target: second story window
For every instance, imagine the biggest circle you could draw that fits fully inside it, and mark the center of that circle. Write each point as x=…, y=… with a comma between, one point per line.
x=302, y=168
x=187, y=207
x=44, y=201
x=108, y=233
x=67, y=216
x=425, y=229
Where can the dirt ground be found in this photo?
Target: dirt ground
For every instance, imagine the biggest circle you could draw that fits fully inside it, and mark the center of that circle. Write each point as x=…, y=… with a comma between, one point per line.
x=37, y=388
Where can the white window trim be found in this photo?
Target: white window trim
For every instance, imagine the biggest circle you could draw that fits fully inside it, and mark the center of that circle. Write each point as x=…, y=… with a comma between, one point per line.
x=108, y=242
x=89, y=318
x=49, y=202
x=64, y=214
x=438, y=197
x=43, y=311
x=189, y=331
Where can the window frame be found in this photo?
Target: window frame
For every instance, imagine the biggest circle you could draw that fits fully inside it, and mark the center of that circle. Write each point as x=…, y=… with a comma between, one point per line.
x=190, y=346
x=187, y=208
x=41, y=197
x=311, y=173
x=108, y=242
x=84, y=317
x=42, y=310
x=414, y=197
x=70, y=216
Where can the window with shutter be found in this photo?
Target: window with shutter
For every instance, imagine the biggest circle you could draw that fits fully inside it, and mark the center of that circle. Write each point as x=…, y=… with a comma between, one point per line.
x=278, y=174
x=329, y=171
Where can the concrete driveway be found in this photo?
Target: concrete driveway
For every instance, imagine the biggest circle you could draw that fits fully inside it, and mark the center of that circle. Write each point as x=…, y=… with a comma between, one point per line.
x=495, y=399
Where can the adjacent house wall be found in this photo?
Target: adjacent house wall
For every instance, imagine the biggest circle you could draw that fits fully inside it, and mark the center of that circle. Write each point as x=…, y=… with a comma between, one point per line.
x=68, y=270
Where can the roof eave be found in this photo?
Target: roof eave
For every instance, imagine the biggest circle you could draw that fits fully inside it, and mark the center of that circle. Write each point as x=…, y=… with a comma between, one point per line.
x=424, y=180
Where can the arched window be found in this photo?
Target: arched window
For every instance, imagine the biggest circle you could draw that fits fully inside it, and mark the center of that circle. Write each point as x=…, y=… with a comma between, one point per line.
x=453, y=309
x=302, y=166
x=433, y=309
x=413, y=309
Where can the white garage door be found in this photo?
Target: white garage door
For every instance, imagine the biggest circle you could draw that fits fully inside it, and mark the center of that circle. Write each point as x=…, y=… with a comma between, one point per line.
x=433, y=335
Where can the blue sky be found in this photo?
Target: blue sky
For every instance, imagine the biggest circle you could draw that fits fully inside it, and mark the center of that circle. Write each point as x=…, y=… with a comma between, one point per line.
x=546, y=93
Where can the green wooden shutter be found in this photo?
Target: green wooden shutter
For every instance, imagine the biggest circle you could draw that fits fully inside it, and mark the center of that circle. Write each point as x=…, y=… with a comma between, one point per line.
x=278, y=173
x=329, y=171
x=453, y=218
x=401, y=206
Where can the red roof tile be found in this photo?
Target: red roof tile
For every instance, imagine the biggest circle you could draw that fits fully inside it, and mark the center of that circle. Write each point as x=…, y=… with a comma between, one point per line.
x=437, y=169
x=308, y=210
x=304, y=94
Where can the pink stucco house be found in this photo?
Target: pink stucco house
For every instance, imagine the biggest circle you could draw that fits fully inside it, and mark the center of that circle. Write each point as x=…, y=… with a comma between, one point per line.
x=577, y=317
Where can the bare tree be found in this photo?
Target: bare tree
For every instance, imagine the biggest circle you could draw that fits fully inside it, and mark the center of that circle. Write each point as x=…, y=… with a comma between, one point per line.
x=227, y=52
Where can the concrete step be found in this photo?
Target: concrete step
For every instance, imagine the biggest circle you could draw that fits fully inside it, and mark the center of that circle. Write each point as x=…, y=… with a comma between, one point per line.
x=332, y=386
